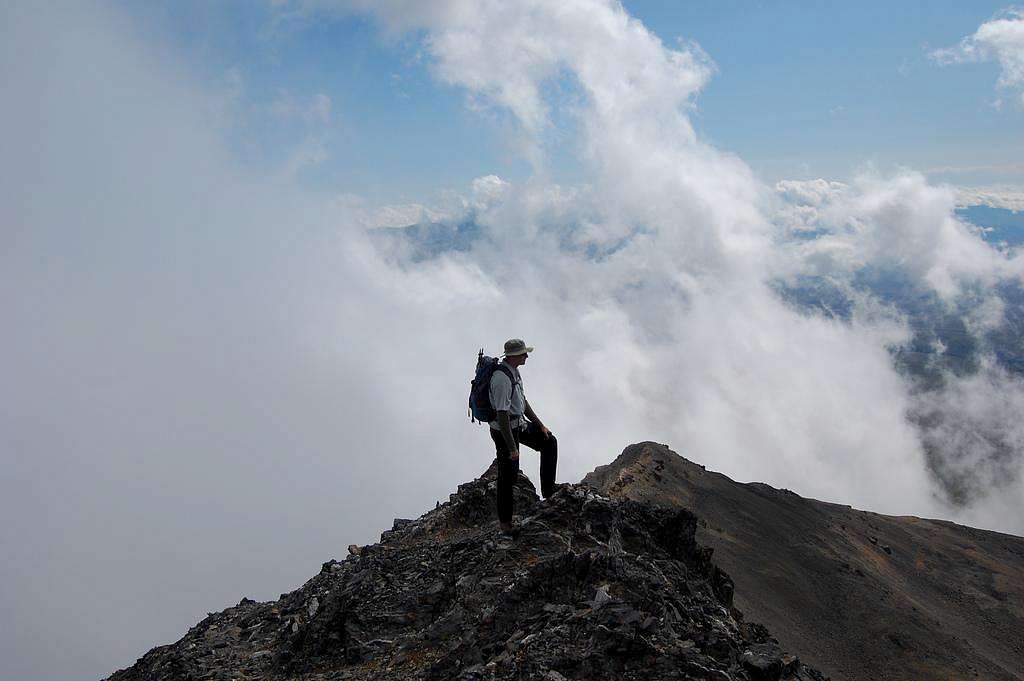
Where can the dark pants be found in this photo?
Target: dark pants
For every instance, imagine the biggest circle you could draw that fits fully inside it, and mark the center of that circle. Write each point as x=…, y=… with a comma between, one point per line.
x=508, y=469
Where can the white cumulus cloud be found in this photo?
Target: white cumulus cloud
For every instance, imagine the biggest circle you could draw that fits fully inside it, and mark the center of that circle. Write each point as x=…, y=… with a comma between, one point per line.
x=1000, y=40
x=900, y=221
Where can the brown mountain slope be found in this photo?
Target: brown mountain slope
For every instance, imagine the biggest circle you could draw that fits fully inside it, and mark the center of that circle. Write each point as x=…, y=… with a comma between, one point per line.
x=860, y=595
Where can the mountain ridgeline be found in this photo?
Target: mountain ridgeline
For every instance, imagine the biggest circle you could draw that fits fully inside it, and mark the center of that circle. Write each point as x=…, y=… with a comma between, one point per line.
x=650, y=568
x=859, y=595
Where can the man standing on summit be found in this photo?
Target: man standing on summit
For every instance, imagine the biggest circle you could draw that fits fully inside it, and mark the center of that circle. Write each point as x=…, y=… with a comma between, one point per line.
x=517, y=424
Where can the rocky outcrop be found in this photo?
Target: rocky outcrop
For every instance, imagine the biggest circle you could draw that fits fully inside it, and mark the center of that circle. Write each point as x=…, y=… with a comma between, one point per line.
x=593, y=588
x=862, y=596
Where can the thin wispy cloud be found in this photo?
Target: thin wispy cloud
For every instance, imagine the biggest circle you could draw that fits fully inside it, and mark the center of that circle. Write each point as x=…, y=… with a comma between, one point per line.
x=317, y=111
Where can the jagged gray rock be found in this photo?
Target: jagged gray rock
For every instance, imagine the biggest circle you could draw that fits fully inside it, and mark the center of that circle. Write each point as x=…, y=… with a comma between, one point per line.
x=593, y=588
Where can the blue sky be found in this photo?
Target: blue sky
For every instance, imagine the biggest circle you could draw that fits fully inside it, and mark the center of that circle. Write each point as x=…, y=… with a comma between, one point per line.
x=802, y=90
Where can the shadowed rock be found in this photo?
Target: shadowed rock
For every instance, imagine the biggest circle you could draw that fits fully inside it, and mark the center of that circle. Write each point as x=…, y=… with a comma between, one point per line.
x=594, y=588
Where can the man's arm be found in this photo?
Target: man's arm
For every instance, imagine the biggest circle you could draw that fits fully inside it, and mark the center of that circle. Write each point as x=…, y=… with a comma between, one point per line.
x=528, y=410
x=506, y=432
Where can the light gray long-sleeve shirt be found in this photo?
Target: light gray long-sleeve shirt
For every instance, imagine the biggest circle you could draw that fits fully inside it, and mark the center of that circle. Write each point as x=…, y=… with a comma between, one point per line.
x=508, y=397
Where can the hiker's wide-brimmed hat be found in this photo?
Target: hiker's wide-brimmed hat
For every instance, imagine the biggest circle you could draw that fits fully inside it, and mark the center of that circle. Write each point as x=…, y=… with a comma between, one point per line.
x=516, y=346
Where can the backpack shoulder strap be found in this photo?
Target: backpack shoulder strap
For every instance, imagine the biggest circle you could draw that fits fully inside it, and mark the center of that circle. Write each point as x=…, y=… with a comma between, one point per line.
x=511, y=377
x=508, y=372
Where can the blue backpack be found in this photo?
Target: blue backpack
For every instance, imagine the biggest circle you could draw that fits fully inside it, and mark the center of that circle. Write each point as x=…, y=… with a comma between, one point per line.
x=480, y=408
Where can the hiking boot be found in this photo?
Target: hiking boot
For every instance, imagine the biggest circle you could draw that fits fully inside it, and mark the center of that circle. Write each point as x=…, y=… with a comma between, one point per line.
x=508, y=530
x=555, y=489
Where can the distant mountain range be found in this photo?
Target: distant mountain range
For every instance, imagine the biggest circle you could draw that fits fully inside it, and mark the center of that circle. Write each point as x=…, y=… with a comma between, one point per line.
x=941, y=339
x=998, y=225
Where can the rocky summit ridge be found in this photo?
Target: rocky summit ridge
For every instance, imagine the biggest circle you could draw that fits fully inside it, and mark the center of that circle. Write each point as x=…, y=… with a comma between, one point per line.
x=593, y=588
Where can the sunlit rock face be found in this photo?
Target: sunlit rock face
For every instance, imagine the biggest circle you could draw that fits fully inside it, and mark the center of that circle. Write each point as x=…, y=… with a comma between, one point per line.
x=592, y=588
